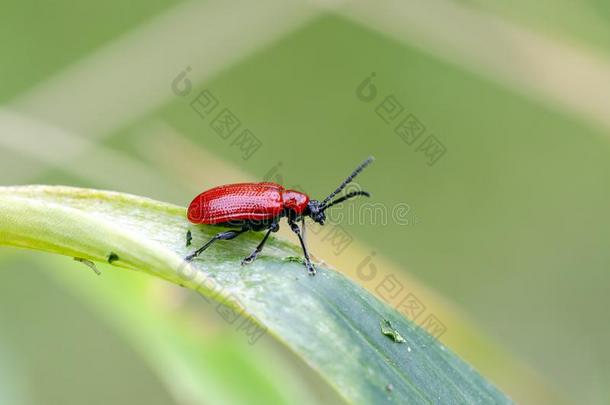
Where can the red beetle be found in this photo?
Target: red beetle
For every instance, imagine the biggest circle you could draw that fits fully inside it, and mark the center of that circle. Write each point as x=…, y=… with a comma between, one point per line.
x=259, y=206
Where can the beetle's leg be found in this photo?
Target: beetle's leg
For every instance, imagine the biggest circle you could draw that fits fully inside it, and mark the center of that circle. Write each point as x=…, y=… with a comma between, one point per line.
x=303, y=230
x=219, y=236
x=272, y=228
x=295, y=228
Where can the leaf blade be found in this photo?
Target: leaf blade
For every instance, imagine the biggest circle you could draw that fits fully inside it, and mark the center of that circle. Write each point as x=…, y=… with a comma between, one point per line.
x=327, y=320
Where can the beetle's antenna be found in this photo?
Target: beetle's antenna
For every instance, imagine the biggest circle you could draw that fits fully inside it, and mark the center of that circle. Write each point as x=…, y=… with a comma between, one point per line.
x=356, y=172
x=346, y=197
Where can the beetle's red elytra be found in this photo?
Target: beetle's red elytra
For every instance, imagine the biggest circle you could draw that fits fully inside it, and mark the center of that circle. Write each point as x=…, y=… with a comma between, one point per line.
x=260, y=206
x=245, y=201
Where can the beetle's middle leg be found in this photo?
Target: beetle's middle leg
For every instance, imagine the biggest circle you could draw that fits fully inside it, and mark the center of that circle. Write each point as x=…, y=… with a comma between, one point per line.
x=219, y=236
x=272, y=228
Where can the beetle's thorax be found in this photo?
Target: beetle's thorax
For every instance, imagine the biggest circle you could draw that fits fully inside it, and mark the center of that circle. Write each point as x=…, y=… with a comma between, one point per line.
x=295, y=201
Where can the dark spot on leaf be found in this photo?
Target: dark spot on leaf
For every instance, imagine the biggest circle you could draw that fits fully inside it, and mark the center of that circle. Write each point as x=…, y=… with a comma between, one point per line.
x=112, y=257
x=294, y=259
x=189, y=238
x=89, y=264
x=388, y=330
x=389, y=388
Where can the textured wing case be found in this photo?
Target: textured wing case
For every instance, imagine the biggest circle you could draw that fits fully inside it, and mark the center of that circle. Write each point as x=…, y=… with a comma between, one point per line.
x=234, y=202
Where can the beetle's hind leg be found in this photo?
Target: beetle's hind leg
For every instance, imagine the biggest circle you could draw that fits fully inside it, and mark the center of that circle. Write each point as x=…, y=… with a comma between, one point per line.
x=219, y=236
x=273, y=228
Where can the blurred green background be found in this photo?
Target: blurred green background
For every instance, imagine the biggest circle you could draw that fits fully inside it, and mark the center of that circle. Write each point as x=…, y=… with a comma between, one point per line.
x=512, y=221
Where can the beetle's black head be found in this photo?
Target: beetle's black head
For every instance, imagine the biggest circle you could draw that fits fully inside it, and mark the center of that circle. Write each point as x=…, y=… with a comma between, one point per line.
x=315, y=209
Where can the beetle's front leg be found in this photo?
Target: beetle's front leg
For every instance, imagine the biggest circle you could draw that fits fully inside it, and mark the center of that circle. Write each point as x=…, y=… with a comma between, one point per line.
x=295, y=228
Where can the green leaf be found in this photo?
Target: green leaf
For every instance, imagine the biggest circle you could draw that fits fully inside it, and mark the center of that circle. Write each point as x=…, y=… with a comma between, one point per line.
x=331, y=323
